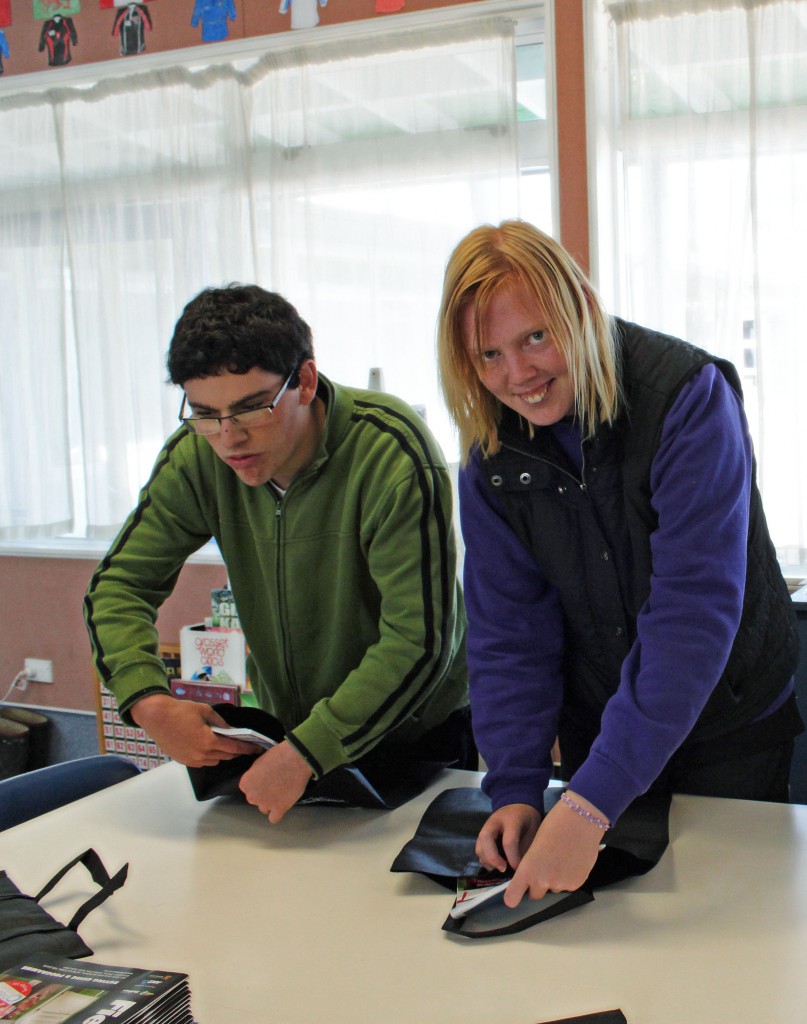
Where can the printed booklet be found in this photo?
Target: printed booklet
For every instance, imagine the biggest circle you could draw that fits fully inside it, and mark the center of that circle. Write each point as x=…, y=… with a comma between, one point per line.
x=56, y=990
x=248, y=735
x=473, y=891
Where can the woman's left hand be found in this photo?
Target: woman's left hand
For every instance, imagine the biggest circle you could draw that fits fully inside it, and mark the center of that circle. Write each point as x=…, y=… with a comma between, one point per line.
x=560, y=857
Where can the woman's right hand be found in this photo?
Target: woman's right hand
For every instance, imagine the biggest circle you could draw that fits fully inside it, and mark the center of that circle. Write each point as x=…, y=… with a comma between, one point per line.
x=563, y=852
x=508, y=831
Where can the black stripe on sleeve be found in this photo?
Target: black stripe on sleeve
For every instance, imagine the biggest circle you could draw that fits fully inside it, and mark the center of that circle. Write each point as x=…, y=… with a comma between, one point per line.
x=421, y=459
x=120, y=542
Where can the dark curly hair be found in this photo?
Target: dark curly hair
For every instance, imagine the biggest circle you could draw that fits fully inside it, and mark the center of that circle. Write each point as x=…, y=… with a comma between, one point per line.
x=236, y=328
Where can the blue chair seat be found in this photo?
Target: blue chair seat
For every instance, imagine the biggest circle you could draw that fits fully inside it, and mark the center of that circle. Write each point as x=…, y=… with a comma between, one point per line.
x=33, y=793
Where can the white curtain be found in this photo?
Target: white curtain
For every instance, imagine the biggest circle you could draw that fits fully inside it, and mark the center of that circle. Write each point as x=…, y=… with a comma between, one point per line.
x=698, y=120
x=340, y=175
x=35, y=480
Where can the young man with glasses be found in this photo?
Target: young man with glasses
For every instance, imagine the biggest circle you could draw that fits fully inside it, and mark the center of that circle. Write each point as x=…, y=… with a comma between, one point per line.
x=332, y=510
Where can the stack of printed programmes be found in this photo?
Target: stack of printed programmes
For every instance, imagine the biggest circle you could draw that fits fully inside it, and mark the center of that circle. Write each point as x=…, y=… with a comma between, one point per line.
x=61, y=991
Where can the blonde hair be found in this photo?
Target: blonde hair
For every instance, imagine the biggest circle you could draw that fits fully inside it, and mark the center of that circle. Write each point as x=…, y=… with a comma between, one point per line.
x=483, y=262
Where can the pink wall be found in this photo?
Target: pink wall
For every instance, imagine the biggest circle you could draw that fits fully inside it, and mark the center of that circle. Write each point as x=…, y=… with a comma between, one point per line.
x=41, y=602
x=41, y=609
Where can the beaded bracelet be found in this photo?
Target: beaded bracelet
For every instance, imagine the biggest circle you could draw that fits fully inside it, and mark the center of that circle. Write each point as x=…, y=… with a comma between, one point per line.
x=566, y=799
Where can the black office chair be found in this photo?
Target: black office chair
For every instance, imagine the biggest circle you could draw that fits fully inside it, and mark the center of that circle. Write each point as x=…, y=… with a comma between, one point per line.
x=33, y=793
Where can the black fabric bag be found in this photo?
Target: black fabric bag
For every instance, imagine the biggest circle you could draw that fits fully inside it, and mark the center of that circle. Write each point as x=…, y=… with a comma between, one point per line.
x=27, y=929
x=443, y=849
x=384, y=779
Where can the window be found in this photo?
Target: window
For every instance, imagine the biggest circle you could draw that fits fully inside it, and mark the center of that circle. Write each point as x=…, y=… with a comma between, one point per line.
x=340, y=175
x=699, y=131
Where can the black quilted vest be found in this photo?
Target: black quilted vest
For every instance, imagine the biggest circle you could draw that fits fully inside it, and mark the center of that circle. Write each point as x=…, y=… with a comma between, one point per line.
x=591, y=537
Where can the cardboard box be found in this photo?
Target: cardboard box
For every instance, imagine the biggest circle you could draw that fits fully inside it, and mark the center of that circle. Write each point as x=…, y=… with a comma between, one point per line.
x=217, y=655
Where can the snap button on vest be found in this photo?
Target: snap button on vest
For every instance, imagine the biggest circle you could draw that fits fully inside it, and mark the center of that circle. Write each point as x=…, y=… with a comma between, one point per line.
x=496, y=480
x=619, y=631
x=525, y=478
x=604, y=556
x=561, y=489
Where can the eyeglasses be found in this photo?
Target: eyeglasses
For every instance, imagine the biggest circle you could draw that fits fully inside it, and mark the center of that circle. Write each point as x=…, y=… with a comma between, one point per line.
x=208, y=425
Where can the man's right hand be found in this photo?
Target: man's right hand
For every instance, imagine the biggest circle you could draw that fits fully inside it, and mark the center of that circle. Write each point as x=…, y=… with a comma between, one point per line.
x=181, y=728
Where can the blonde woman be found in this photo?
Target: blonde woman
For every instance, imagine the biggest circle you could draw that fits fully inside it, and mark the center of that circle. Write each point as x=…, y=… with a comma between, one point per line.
x=622, y=590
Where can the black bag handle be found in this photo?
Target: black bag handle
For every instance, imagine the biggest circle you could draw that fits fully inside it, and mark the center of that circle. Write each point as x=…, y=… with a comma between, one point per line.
x=107, y=884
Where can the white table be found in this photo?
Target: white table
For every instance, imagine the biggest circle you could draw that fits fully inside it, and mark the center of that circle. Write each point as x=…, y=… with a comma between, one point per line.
x=303, y=923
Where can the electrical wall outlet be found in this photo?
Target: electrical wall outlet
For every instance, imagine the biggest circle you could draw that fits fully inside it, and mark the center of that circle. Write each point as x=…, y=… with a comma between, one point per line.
x=39, y=670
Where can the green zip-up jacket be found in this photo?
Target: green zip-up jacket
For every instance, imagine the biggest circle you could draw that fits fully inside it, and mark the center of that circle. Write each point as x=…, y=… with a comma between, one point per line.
x=346, y=586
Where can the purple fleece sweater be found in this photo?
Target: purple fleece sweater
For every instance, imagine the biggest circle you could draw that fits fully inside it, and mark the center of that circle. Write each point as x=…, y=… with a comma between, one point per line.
x=700, y=483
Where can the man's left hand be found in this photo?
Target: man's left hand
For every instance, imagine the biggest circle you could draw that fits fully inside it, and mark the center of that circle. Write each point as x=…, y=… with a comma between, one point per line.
x=276, y=781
